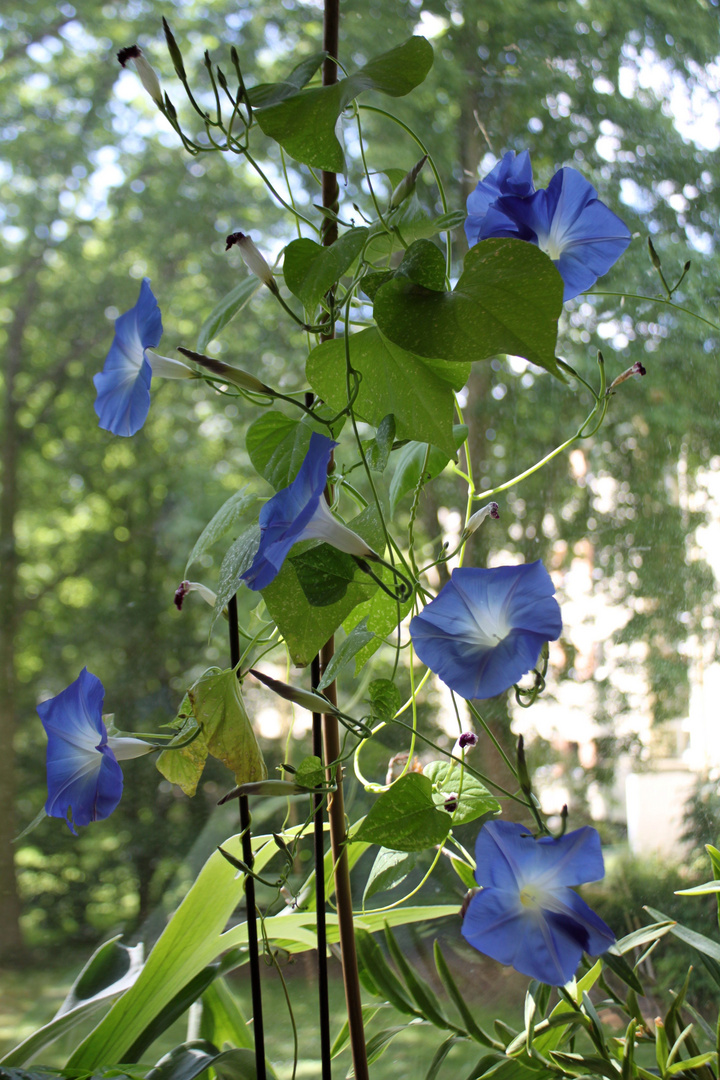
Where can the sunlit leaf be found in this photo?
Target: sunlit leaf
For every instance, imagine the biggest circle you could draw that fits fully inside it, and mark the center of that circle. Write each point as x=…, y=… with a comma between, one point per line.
x=405, y=818
x=418, y=392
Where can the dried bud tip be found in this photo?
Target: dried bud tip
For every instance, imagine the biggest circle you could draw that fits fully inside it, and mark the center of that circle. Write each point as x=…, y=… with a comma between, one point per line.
x=131, y=52
x=490, y=510
x=252, y=258
x=234, y=238
x=180, y=593
x=636, y=369
x=468, y=738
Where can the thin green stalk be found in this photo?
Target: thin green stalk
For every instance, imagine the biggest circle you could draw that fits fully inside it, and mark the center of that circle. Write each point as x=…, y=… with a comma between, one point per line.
x=659, y=300
x=276, y=194
x=493, y=738
x=581, y=433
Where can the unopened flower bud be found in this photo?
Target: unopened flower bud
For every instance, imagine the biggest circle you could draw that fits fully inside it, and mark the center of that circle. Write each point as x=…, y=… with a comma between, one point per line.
x=230, y=374
x=491, y=510
x=145, y=72
x=252, y=258
x=186, y=587
x=467, y=739
x=654, y=257
x=306, y=698
x=407, y=185
x=451, y=804
x=175, y=54
x=636, y=369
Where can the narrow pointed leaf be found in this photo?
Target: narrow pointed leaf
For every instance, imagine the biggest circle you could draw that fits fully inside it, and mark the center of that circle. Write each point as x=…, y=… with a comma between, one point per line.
x=226, y=310
x=228, y=514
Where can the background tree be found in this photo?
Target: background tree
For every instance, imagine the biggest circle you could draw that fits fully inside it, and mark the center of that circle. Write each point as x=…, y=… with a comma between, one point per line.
x=97, y=192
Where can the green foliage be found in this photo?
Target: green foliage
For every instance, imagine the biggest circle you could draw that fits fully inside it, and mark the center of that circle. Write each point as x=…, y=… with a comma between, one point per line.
x=418, y=393
x=405, y=818
x=69, y=599
x=508, y=300
x=304, y=124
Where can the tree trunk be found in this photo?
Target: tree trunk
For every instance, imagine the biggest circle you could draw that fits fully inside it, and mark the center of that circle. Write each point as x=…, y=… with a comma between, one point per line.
x=11, y=941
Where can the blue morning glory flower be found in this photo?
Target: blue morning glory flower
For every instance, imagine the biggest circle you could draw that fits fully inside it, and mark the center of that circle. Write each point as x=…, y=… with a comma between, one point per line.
x=84, y=778
x=300, y=512
x=566, y=220
x=123, y=385
x=526, y=915
x=511, y=176
x=485, y=628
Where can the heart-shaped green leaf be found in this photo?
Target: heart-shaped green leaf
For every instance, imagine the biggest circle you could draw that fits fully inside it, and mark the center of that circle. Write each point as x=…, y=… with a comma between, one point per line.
x=305, y=627
x=416, y=390
x=304, y=123
x=311, y=270
x=508, y=300
x=473, y=798
x=405, y=818
x=277, y=445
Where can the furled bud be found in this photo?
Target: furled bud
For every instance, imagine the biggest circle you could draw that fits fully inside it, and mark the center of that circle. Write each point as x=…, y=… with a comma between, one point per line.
x=467, y=739
x=175, y=54
x=636, y=369
x=306, y=698
x=252, y=258
x=228, y=373
x=654, y=257
x=491, y=510
x=146, y=74
x=407, y=185
x=186, y=587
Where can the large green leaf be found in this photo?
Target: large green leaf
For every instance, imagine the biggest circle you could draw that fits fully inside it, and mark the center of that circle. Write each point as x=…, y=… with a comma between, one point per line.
x=222, y=1020
x=218, y=708
x=356, y=640
x=304, y=124
x=379, y=615
x=277, y=445
x=304, y=626
x=190, y=1059
x=388, y=870
x=405, y=818
x=238, y=559
x=184, y=766
x=310, y=270
x=418, y=391
x=507, y=300
x=271, y=93
x=214, y=704
x=474, y=799
x=226, y=310
x=109, y=972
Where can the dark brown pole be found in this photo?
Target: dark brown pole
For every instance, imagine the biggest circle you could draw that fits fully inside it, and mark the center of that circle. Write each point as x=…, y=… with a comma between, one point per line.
x=245, y=821
x=331, y=736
